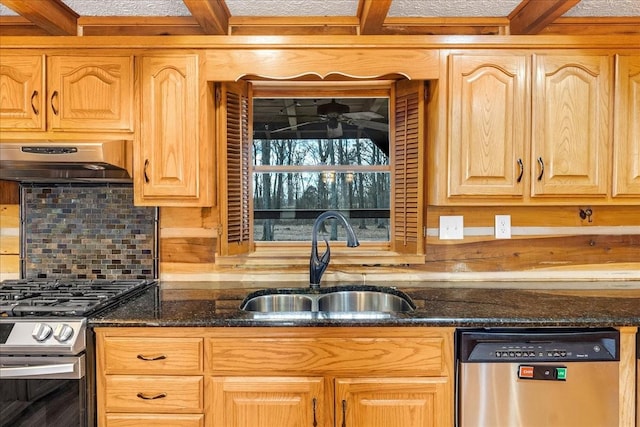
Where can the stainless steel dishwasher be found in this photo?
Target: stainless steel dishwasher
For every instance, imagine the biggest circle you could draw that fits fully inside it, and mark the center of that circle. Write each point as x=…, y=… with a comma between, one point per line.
x=537, y=377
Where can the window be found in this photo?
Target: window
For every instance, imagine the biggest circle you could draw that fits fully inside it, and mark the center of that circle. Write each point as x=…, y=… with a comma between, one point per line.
x=400, y=172
x=316, y=154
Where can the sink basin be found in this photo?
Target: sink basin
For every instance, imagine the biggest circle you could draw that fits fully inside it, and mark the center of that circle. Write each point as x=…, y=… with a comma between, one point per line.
x=359, y=301
x=335, y=302
x=278, y=303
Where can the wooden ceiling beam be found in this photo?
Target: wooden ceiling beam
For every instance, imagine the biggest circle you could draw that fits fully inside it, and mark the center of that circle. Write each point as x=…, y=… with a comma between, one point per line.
x=532, y=16
x=139, y=26
x=212, y=15
x=53, y=16
x=372, y=14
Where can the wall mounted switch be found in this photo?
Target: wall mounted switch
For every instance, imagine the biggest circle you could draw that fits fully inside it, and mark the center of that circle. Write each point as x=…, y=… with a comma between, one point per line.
x=503, y=227
x=451, y=227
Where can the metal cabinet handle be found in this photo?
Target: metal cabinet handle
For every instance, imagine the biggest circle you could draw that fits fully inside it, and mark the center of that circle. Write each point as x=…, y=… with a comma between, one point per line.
x=521, y=165
x=37, y=370
x=146, y=166
x=151, y=358
x=541, y=163
x=315, y=420
x=148, y=397
x=344, y=413
x=33, y=106
x=54, y=95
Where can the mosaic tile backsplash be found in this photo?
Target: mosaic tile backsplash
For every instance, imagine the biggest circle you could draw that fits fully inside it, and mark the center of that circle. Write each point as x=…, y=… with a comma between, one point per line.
x=86, y=232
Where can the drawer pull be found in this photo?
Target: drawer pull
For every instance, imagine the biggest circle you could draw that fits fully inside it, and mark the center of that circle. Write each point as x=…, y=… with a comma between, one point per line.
x=344, y=413
x=151, y=358
x=155, y=396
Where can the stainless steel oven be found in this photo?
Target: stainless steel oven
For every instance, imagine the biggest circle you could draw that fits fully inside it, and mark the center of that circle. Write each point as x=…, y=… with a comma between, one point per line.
x=43, y=372
x=47, y=360
x=46, y=391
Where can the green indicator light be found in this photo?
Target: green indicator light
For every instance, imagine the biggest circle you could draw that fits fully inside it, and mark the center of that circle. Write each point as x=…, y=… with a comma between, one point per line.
x=561, y=373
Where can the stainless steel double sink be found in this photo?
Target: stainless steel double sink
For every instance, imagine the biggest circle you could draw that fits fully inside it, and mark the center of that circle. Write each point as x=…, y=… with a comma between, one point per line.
x=356, y=302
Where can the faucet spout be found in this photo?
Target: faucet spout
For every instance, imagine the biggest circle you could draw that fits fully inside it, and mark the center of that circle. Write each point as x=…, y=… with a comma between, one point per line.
x=319, y=263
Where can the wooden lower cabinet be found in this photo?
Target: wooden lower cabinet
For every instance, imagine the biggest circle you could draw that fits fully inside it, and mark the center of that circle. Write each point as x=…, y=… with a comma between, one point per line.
x=267, y=401
x=153, y=393
x=147, y=378
x=275, y=376
x=382, y=402
x=303, y=401
x=155, y=420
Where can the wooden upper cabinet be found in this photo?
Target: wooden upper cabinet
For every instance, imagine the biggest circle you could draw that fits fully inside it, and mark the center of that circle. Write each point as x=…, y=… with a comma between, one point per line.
x=525, y=128
x=90, y=93
x=82, y=93
x=488, y=134
x=626, y=130
x=22, y=92
x=171, y=162
x=570, y=123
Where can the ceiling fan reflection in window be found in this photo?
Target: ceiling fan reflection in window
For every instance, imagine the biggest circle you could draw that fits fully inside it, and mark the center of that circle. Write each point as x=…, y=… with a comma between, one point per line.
x=334, y=115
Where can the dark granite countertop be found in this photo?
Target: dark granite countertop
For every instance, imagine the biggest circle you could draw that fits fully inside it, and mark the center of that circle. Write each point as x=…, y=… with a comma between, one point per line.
x=468, y=304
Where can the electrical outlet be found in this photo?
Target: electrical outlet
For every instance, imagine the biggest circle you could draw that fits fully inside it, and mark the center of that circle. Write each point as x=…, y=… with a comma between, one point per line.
x=503, y=227
x=451, y=227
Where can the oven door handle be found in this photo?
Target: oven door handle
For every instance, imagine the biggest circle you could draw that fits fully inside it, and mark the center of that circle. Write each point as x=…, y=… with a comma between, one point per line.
x=72, y=368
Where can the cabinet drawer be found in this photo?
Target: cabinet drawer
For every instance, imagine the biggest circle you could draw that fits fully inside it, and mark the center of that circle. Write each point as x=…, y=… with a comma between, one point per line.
x=340, y=355
x=156, y=420
x=152, y=355
x=131, y=393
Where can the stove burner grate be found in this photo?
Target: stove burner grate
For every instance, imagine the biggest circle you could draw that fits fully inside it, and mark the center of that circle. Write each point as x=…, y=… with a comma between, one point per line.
x=33, y=297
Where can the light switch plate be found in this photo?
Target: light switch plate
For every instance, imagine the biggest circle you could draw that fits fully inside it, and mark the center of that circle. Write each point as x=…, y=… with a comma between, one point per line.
x=503, y=227
x=451, y=227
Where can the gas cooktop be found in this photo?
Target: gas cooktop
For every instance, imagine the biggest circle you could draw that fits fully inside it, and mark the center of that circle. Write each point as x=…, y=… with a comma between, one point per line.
x=61, y=297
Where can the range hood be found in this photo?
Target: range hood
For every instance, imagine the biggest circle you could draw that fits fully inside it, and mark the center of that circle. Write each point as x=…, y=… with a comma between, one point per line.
x=58, y=162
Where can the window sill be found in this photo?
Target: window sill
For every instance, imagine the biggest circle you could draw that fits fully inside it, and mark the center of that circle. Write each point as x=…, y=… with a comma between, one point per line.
x=295, y=255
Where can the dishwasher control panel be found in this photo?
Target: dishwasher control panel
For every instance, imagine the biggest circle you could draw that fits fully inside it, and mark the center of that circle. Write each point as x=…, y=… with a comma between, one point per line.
x=557, y=345
x=546, y=351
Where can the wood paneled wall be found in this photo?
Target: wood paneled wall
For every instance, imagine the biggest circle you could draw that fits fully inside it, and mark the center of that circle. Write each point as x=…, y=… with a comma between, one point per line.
x=9, y=229
x=542, y=238
x=549, y=238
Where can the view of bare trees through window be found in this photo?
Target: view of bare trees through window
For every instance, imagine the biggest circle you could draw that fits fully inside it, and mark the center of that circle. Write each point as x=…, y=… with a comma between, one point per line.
x=331, y=156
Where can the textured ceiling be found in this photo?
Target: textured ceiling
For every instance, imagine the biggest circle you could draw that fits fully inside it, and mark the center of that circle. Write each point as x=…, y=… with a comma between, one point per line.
x=450, y=8
x=128, y=7
x=399, y=8
x=293, y=7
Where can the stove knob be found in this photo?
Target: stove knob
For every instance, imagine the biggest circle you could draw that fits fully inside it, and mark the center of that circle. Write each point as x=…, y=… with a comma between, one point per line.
x=63, y=332
x=41, y=332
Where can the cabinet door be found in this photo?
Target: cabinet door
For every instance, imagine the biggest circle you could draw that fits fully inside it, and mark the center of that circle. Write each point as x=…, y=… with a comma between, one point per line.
x=488, y=133
x=570, y=121
x=168, y=156
x=626, y=153
x=267, y=402
x=21, y=92
x=393, y=402
x=90, y=93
